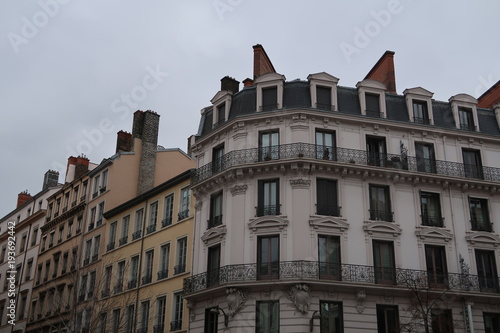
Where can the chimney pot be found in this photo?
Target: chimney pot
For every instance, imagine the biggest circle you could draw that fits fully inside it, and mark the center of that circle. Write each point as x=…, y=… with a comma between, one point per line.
x=230, y=84
x=51, y=178
x=124, y=142
x=22, y=198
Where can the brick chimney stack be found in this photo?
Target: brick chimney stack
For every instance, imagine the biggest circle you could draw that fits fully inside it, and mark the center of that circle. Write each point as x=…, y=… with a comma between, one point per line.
x=124, y=142
x=230, y=84
x=261, y=62
x=383, y=71
x=248, y=82
x=490, y=97
x=22, y=198
x=77, y=167
x=145, y=128
x=50, y=179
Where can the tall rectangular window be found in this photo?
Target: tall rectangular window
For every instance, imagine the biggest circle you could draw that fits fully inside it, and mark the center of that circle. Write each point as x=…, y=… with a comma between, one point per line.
x=435, y=258
x=93, y=213
x=325, y=145
x=487, y=271
x=125, y=227
x=376, y=151
x=134, y=272
x=387, y=319
x=144, y=316
x=108, y=271
x=176, y=323
x=211, y=320
x=184, y=207
x=221, y=114
x=329, y=257
x=269, y=99
x=473, y=166
x=491, y=322
x=97, y=243
x=331, y=317
x=97, y=185
x=324, y=98
x=268, y=257
x=148, y=267
x=138, y=224
x=153, y=217
x=269, y=145
x=380, y=203
x=267, y=317
x=215, y=210
x=326, y=197
x=383, y=262
x=218, y=159
x=425, y=157
x=112, y=235
x=169, y=210
x=129, y=320
x=213, y=265
x=466, y=119
x=116, y=320
x=120, y=277
x=100, y=211
x=420, y=114
x=372, y=105
x=161, y=307
x=268, y=197
x=441, y=321
x=430, y=208
x=164, y=261
x=479, y=215
x=181, y=257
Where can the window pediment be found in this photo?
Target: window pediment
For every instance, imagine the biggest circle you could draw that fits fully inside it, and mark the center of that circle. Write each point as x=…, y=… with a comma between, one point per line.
x=268, y=223
x=483, y=238
x=463, y=98
x=418, y=92
x=373, y=84
x=434, y=233
x=269, y=77
x=214, y=234
x=220, y=96
x=323, y=76
x=382, y=228
x=329, y=223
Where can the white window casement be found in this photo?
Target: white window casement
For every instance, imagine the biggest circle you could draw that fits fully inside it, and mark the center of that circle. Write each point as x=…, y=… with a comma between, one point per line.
x=371, y=95
x=419, y=105
x=323, y=87
x=221, y=105
x=464, y=108
x=269, y=91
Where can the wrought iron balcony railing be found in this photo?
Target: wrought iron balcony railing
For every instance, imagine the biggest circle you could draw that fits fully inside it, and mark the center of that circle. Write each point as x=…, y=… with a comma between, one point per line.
x=328, y=210
x=111, y=246
x=339, y=273
x=151, y=228
x=166, y=221
x=147, y=279
x=178, y=269
x=136, y=235
x=343, y=155
x=432, y=221
x=421, y=120
x=176, y=325
x=219, y=123
x=132, y=284
x=478, y=225
x=183, y=215
x=123, y=240
x=162, y=274
x=265, y=210
x=214, y=221
x=373, y=113
x=381, y=215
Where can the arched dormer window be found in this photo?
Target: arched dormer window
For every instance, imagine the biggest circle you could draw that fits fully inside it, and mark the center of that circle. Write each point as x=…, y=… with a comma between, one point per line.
x=419, y=105
x=464, y=108
x=323, y=88
x=371, y=95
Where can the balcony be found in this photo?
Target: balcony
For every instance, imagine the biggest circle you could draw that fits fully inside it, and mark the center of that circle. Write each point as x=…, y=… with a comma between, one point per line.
x=478, y=225
x=345, y=155
x=421, y=120
x=118, y=288
x=132, y=284
x=159, y=328
x=381, y=215
x=166, y=221
x=123, y=240
x=178, y=269
x=338, y=273
x=163, y=274
x=328, y=210
x=219, y=123
x=95, y=257
x=267, y=210
x=73, y=204
x=98, y=223
x=86, y=261
x=111, y=246
x=150, y=229
x=136, y=235
x=433, y=221
x=91, y=226
x=147, y=279
x=176, y=325
x=183, y=215
x=215, y=221
x=105, y=293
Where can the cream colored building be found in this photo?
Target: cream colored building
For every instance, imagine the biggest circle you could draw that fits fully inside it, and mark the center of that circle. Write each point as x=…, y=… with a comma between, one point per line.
x=326, y=208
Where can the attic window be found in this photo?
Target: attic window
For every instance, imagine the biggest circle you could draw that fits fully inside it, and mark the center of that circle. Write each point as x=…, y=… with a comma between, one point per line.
x=420, y=113
x=221, y=115
x=373, y=105
x=324, y=98
x=466, y=119
x=269, y=99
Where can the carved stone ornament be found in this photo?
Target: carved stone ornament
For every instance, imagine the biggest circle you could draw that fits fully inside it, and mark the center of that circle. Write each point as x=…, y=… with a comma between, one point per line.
x=236, y=298
x=238, y=189
x=192, y=313
x=198, y=205
x=360, y=296
x=300, y=297
x=300, y=183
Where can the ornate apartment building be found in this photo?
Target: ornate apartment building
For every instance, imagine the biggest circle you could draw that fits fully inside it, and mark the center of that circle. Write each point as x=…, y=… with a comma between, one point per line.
x=325, y=208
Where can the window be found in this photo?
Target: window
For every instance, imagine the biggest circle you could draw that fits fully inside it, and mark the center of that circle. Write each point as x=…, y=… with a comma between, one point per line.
x=92, y=278
x=383, y=262
x=47, y=269
x=112, y=235
x=44, y=242
x=215, y=210
x=164, y=261
x=268, y=257
x=473, y=167
x=84, y=192
x=153, y=217
x=134, y=271
x=129, y=321
x=65, y=262
x=148, y=267
x=326, y=197
x=211, y=320
x=184, y=208
x=380, y=203
x=180, y=266
x=61, y=232
x=169, y=210
x=70, y=228
x=465, y=118
x=23, y=242
x=435, y=259
x=79, y=224
x=104, y=181
x=331, y=317
x=269, y=99
x=108, y=271
x=101, y=328
x=161, y=306
x=420, y=114
x=479, y=215
x=387, y=319
x=268, y=197
x=269, y=146
x=138, y=224
x=116, y=320
x=325, y=145
x=376, y=151
x=426, y=160
x=176, y=323
x=97, y=241
x=218, y=159
x=431, y=209
x=35, y=236
x=51, y=238
x=39, y=274
x=93, y=213
x=22, y=307
x=267, y=317
x=324, y=98
x=213, y=265
x=99, y=213
x=75, y=196
x=491, y=322
x=329, y=257
x=96, y=186
x=56, y=264
x=144, y=316
x=120, y=277
x=124, y=234
x=372, y=105
x=221, y=115
x=442, y=321
x=83, y=288
x=487, y=270
x=28, y=269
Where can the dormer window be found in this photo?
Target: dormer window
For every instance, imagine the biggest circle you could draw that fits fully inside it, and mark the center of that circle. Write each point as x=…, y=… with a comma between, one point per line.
x=324, y=98
x=464, y=108
x=373, y=105
x=465, y=118
x=269, y=91
x=269, y=99
x=420, y=113
x=323, y=88
x=372, y=98
x=419, y=104
x=221, y=115
x=221, y=106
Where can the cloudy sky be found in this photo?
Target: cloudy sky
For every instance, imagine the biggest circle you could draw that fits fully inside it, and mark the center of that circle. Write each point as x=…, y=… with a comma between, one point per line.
x=72, y=72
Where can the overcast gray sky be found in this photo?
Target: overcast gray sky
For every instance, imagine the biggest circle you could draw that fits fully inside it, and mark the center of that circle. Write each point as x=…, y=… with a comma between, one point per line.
x=74, y=71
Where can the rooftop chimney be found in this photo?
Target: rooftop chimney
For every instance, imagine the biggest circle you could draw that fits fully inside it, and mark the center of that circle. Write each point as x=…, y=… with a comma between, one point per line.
x=230, y=84
x=490, y=97
x=247, y=82
x=124, y=142
x=77, y=167
x=261, y=62
x=22, y=198
x=383, y=71
x=145, y=128
x=50, y=179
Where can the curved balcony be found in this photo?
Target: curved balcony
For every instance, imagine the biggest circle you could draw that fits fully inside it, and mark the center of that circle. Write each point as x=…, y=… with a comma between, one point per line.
x=343, y=155
x=340, y=273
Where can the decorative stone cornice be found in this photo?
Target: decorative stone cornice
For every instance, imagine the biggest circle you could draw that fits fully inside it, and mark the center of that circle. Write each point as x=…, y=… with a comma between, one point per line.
x=270, y=223
x=214, y=234
x=483, y=238
x=434, y=233
x=238, y=189
x=300, y=183
x=390, y=229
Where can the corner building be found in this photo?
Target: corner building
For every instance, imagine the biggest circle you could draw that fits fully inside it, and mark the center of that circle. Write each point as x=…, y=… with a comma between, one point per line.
x=323, y=208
